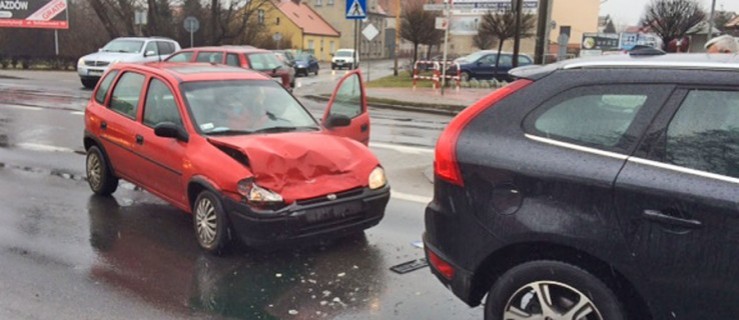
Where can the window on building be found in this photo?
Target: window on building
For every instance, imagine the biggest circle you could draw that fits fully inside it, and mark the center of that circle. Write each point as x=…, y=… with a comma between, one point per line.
x=311, y=45
x=277, y=21
x=319, y=3
x=260, y=16
x=329, y=2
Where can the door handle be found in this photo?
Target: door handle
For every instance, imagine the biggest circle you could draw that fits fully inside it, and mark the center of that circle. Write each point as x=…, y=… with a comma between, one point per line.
x=659, y=217
x=139, y=139
x=103, y=125
x=364, y=127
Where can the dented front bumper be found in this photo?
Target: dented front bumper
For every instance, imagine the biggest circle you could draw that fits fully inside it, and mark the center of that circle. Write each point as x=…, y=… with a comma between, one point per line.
x=349, y=212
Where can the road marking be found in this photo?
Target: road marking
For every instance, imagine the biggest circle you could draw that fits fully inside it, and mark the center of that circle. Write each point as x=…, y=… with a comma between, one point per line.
x=79, y=113
x=401, y=148
x=22, y=107
x=42, y=147
x=410, y=197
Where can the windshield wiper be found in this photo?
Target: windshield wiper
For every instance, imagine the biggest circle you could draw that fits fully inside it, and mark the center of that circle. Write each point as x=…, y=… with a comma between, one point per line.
x=284, y=129
x=229, y=132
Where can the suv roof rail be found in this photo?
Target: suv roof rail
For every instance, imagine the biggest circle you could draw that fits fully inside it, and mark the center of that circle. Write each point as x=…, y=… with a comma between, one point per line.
x=655, y=59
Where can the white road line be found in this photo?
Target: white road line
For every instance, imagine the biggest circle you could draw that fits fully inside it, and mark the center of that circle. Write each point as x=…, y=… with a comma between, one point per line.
x=42, y=147
x=21, y=107
x=401, y=148
x=79, y=113
x=410, y=197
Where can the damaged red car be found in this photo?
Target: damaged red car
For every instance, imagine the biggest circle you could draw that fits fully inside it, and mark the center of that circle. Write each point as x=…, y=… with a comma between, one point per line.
x=237, y=151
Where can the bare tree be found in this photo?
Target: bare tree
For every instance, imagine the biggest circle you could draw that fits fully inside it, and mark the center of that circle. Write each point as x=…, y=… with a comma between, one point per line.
x=418, y=26
x=483, y=41
x=502, y=26
x=117, y=16
x=721, y=18
x=672, y=19
x=240, y=21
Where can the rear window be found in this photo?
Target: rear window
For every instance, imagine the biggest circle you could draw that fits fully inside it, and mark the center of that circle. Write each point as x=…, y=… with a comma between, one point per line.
x=181, y=57
x=210, y=57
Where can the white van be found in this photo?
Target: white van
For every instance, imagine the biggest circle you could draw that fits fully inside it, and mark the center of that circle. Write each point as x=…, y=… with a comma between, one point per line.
x=344, y=58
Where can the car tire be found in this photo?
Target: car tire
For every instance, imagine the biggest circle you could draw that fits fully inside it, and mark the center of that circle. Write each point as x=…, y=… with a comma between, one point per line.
x=99, y=175
x=212, y=228
x=516, y=293
x=316, y=71
x=465, y=76
x=89, y=83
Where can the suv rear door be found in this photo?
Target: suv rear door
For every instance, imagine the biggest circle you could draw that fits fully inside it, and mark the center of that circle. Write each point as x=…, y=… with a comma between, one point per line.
x=678, y=199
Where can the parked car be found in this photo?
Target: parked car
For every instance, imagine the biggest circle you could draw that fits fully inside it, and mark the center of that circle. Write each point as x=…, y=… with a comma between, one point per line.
x=286, y=56
x=344, y=58
x=247, y=57
x=481, y=65
x=132, y=49
x=306, y=63
x=237, y=151
x=603, y=188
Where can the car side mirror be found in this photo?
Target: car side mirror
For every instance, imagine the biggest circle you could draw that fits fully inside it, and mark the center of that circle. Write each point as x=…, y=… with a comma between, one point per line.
x=337, y=120
x=149, y=53
x=170, y=130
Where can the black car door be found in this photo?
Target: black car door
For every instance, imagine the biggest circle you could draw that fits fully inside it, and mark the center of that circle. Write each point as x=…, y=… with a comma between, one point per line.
x=677, y=197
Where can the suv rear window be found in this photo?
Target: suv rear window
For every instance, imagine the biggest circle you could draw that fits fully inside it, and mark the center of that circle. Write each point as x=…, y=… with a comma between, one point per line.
x=596, y=116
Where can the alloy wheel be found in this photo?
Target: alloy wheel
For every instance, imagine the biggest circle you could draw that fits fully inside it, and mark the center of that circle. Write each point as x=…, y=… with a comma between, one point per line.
x=206, y=221
x=94, y=170
x=550, y=300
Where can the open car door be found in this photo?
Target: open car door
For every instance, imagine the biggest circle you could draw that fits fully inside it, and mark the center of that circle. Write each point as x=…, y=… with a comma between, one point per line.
x=349, y=102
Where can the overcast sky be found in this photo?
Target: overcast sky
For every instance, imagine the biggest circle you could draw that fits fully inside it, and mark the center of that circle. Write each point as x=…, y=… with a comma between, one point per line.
x=628, y=12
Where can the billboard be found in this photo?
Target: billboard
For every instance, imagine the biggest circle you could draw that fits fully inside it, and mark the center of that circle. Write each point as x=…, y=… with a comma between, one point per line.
x=40, y=14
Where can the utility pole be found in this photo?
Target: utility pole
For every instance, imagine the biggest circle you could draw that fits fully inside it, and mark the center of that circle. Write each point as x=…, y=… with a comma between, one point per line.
x=710, y=20
x=449, y=7
x=542, y=41
x=397, y=36
x=517, y=37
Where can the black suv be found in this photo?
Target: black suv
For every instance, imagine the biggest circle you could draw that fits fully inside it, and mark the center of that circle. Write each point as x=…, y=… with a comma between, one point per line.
x=605, y=188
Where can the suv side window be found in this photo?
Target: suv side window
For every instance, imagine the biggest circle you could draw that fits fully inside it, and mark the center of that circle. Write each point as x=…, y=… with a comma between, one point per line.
x=181, y=57
x=704, y=133
x=597, y=116
x=104, y=86
x=210, y=57
x=125, y=98
x=160, y=105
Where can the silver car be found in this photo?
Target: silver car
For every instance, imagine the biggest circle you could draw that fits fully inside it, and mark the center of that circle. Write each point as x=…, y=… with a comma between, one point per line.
x=135, y=49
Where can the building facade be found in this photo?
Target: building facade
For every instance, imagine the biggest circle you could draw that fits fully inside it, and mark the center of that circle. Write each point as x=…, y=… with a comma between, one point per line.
x=305, y=29
x=334, y=11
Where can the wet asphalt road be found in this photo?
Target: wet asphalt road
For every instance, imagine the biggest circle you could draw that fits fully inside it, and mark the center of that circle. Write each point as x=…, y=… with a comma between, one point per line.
x=66, y=254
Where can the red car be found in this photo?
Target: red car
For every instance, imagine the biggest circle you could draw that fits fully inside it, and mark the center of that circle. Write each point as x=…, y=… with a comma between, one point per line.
x=237, y=151
x=240, y=56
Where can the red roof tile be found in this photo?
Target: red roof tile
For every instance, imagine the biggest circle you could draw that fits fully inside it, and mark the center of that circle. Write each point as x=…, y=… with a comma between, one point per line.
x=307, y=19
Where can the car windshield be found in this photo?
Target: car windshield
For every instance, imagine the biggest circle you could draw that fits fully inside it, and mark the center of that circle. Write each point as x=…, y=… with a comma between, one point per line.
x=343, y=53
x=124, y=46
x=264, y=61
x=244, y=107
x=303, y=57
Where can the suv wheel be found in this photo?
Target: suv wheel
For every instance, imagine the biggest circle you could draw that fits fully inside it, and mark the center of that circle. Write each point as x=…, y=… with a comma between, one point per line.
x=89, y=83
x=551, y=290
x=99, y=176
x=211, y=225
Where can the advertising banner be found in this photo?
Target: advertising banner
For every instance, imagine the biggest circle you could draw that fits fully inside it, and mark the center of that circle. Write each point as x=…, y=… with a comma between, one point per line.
x=40, y=14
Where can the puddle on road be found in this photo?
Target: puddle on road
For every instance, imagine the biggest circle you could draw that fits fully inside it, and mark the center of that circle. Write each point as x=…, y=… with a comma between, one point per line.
x=41, y=171
x=43, y=99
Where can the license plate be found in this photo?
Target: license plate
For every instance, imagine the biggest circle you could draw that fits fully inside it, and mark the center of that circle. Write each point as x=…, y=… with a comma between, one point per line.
x=333, y=212
x=94, y=72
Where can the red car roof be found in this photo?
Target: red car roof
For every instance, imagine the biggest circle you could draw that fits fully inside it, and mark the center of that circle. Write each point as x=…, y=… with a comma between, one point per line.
x=189, y=71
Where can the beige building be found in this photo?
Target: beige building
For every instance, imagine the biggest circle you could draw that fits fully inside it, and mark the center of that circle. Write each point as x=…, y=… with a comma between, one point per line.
x=334, y=11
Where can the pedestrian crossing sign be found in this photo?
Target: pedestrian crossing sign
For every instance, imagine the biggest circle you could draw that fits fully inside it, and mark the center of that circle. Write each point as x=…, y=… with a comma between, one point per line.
x=356, y=9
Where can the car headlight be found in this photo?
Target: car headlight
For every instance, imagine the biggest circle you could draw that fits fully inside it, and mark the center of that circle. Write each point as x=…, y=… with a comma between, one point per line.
x=112, y=63
x=377, y=178
x=256, y=194
x=81, y=62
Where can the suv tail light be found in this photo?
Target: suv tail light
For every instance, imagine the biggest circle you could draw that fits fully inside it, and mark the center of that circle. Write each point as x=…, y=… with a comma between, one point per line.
x=445, y=164
x=444, y=268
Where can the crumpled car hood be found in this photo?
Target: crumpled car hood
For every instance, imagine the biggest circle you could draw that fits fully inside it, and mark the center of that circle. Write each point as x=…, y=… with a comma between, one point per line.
x=304, y=165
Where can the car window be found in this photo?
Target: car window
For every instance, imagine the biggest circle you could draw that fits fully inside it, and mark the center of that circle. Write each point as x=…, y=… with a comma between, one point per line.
x=263, y=61
x=165, y=47
x=348, y=98
x=151, y=48
x=249, y=105
x=210, y=57
x=506, y=61
x=125, y=98
x=704, y=133
x=596, y=116
x=233, y=60
x=160, y=105
x=489, y=59
x=104, y=86
x=523, y=60
x=181, y=57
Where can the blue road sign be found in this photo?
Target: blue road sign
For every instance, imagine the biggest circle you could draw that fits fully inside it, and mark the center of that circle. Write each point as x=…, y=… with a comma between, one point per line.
x=356, y=9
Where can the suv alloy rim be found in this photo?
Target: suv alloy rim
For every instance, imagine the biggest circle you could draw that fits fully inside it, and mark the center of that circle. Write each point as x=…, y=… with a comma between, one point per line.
x=550, y=300
x=94, y=170
x=205, y=217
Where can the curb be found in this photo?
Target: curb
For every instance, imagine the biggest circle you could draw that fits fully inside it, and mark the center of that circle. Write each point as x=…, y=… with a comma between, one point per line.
x=447, y=110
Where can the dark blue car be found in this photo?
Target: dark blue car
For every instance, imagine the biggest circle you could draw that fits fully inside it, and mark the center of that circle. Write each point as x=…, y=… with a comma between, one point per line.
x=306, y=63
x=481, y=65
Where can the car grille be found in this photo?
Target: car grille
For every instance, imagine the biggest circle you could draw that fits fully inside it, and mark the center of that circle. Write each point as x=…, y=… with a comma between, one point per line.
x=96, y=63
x=340, y=61
x=339, y=195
